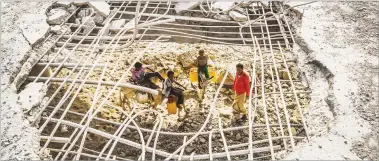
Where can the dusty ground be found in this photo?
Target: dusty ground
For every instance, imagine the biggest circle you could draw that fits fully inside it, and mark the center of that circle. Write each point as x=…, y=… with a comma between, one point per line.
x=338, y=51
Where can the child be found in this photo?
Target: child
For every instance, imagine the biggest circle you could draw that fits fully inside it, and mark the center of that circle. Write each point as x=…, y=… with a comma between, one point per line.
x=168, y=89
x=202, y=66
x=139, y=75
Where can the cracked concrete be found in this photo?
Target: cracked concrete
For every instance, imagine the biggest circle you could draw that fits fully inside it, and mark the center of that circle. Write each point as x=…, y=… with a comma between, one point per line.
x=336, y=38
x=19, y=140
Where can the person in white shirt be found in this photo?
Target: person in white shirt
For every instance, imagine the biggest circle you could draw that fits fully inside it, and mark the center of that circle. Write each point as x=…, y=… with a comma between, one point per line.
x=168, y=90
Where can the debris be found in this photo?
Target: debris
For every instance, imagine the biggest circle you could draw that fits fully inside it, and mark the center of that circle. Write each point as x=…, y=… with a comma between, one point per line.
x=222, y=17
x=222, y=6
x=182, y=6
x=31, y=96
x=186, y=59
x=98, y=19
x=80, y=3
x=116, y=25
x=130, y=23
x=245, y=3
x=88, y=22
x=64, y=128
x=285, y=86
x=34, y=27
x=71, y=9
x=84, y=13
x=101, y=8
x=57, y=16
x=61, y=56
x=56, y=29
x=202, y=140
x=189, y=149
x=65, y=4
x=238, y=136
x=291, y=105
x=237, y=16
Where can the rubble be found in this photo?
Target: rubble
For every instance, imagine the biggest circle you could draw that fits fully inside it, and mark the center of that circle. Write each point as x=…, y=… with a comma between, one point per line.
x=64, y=4
x=117, y=24
x=84, y=13
x=182, y=6
x=57, y=16
x=31, y=96
x=34, y=27
x=61, y=56
x=222, y=17
x=98, y=19
x=56, y=29
x=80, y=3
x=100, y=7
x=71, y=9
x=130, y=23
x=88, y=22
x=237, y=16
x=222, y=6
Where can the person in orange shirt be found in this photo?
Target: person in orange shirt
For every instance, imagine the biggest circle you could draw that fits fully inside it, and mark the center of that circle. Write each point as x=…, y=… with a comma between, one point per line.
x=241, y=86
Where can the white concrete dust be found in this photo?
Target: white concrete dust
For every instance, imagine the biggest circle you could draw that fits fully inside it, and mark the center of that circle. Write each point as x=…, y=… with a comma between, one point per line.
x=340, y=41
x=22, y=22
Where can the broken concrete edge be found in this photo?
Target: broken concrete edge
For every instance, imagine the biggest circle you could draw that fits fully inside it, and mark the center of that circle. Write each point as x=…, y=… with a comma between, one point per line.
x=17, y=100
x=183, y=6
x=33, y=30
x=237, y=16
x=332, y=106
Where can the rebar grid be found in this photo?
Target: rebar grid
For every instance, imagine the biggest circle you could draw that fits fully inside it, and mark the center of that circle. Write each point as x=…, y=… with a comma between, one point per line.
x=264, y=34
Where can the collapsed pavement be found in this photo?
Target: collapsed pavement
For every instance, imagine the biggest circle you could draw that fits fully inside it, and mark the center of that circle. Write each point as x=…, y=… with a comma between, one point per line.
x=93, y=15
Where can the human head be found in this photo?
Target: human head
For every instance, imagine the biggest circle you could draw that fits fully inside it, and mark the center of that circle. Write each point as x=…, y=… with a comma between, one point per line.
x=201, y=52
x=170, y=74
x=138, y=65
x=239, y=68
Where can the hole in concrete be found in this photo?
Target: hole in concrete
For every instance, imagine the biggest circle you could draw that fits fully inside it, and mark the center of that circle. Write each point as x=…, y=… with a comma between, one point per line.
x=222, y=42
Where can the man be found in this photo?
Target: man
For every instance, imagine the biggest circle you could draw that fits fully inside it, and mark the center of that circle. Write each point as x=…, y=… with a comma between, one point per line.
x=140, y=76
x=241, y=87
x=202, y=66
x=168, y=89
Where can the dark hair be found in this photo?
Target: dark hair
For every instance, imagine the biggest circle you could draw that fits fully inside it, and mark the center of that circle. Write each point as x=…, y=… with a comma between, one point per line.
x=201, y=51
x=170, y=73
x=138, y=65
x=239, y=65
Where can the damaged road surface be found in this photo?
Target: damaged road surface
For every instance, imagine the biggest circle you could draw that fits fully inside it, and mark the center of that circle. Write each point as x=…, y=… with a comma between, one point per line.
x=66, y=92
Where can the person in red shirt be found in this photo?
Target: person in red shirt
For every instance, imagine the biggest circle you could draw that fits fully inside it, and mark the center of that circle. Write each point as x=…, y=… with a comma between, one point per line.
x=241, y=87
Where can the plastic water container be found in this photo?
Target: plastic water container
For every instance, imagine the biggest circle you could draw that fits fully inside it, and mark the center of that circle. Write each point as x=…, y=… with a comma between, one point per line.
x=171, y=105
x=142, y=97
x=193, y=74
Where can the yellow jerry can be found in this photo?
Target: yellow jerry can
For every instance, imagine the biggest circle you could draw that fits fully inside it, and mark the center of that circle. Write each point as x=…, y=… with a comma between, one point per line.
x=171, y=105
x=193, y=74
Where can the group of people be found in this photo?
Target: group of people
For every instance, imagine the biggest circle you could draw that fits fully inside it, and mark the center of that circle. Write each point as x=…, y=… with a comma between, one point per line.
x=241, y=84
